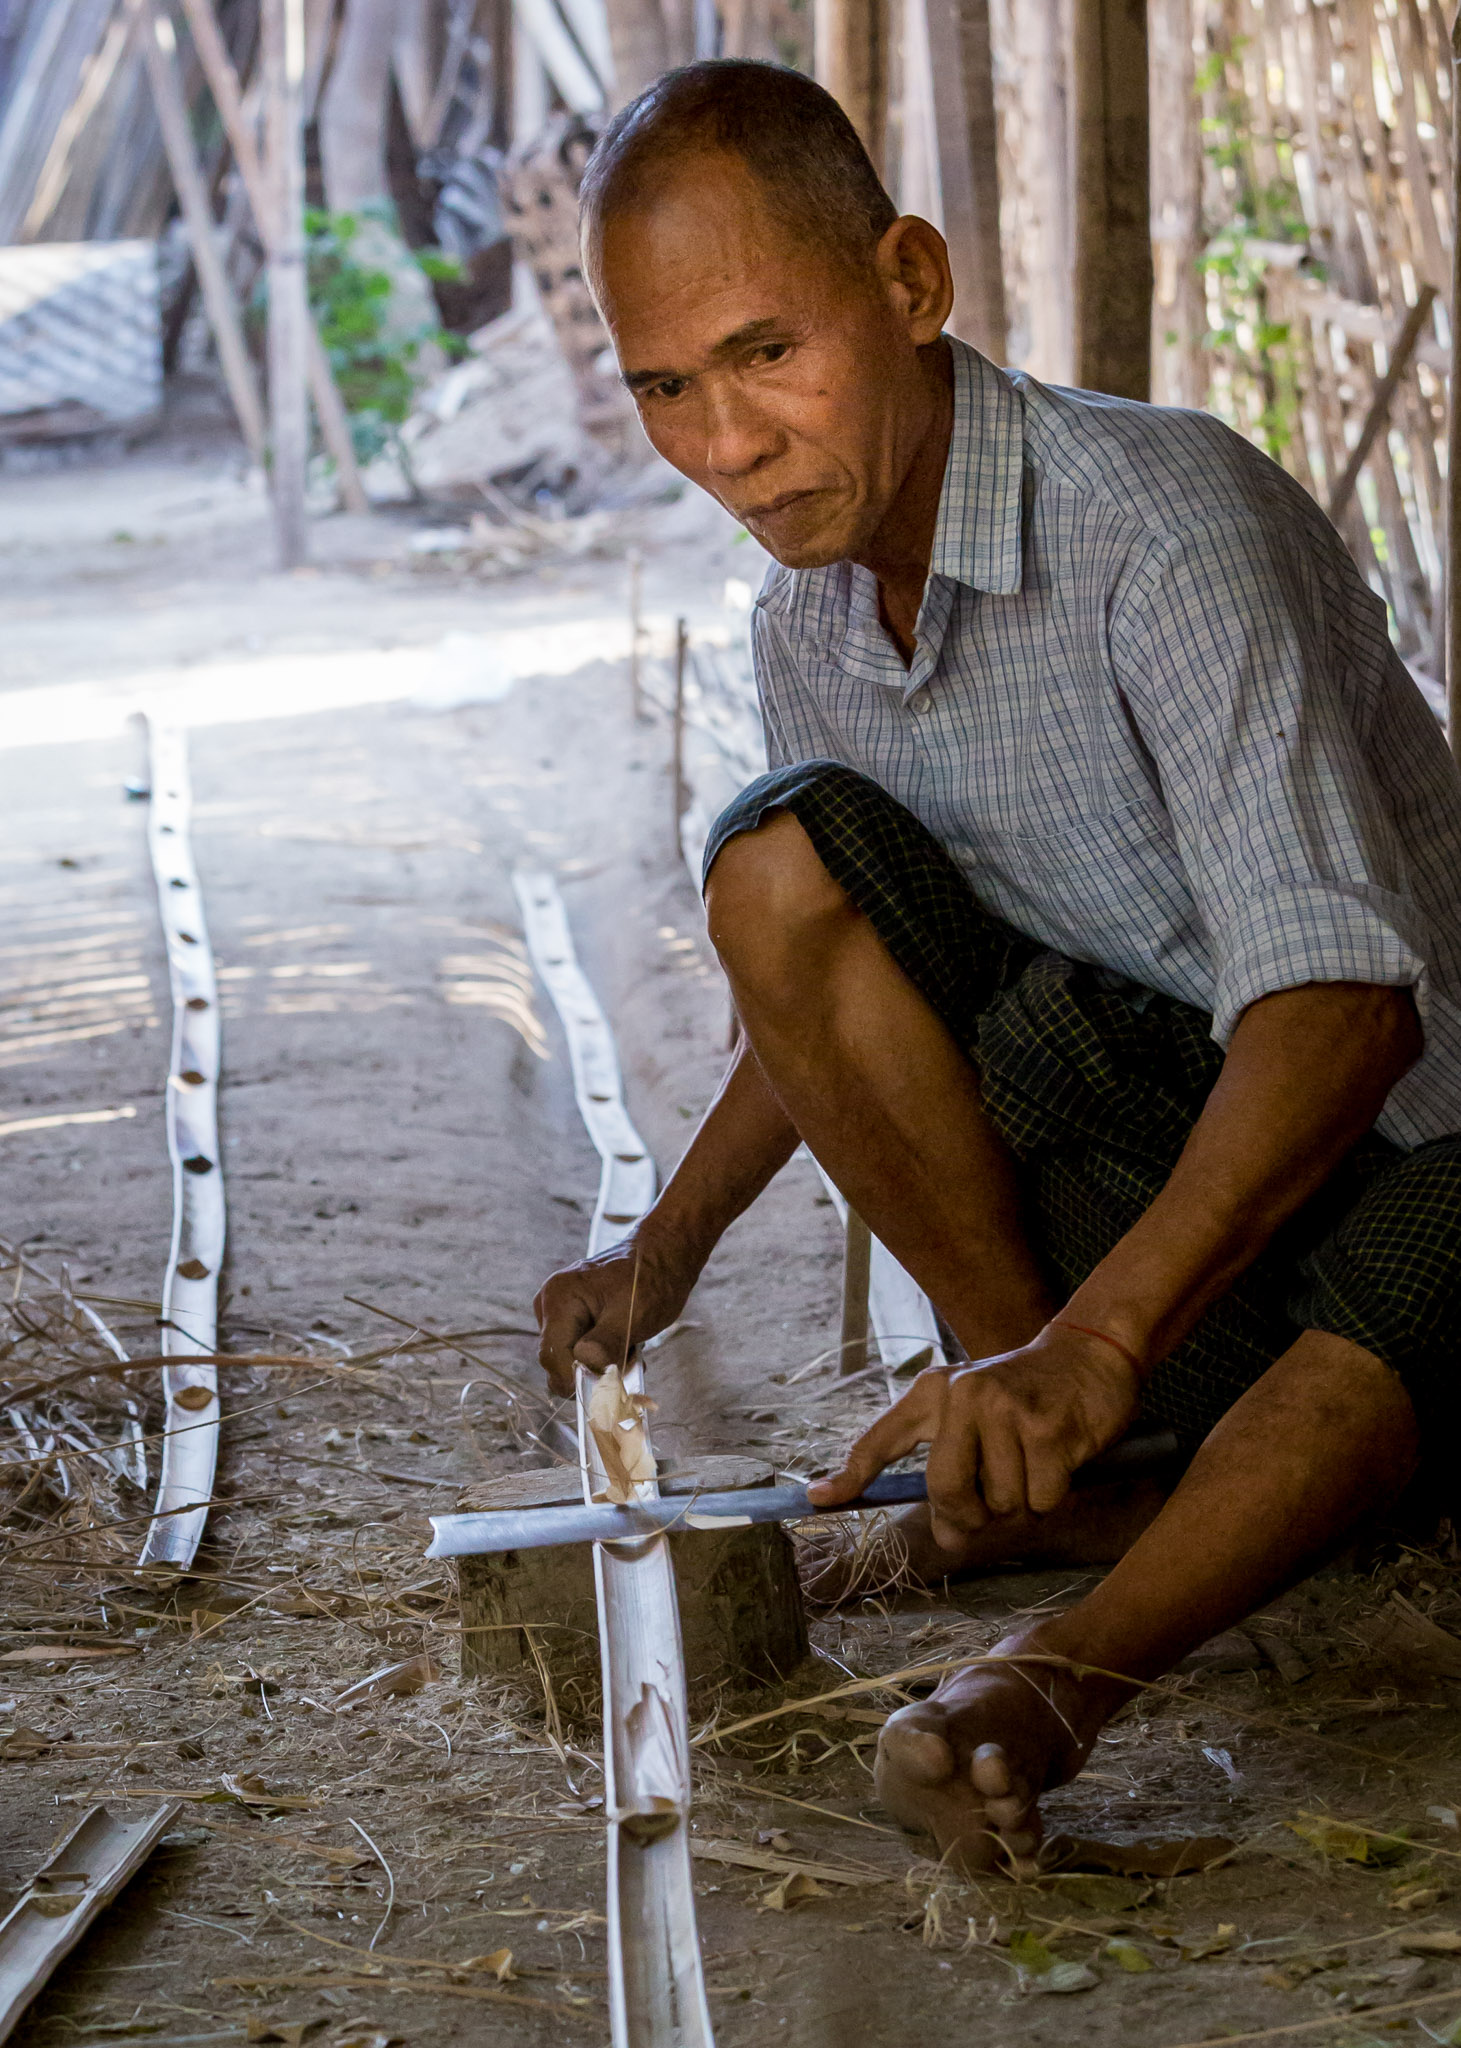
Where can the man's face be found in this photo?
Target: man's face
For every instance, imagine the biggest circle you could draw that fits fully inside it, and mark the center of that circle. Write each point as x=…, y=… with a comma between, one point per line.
x=765, y=371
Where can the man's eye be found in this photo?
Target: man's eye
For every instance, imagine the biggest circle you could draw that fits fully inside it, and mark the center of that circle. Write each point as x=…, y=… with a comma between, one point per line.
x=669, y=387
x=770, y=351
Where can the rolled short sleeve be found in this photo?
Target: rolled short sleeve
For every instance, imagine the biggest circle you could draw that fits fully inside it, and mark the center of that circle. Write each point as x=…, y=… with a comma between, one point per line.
x=1287, y=841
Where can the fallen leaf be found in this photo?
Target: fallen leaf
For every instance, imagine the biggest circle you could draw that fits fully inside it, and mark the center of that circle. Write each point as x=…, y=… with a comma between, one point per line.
x=1029, y=1953
x=249, y=1790
x=391, y=1681
x=499, y=1963
x=741, y=1856
x=21, y=1744
x=1063, y=1979
x=367, y=2037
x=1134, y=1859
x=1344, y=1842
x=1215, y=1944
x=1129, y=1956
x=1432, y=1941
x=1415, y=1898
x=1411, y=1648
x=791, y=1891
x=69, y=1653
x=292, y=2032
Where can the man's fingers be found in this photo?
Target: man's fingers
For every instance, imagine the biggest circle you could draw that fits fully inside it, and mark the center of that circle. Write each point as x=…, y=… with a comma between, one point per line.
x=954, y=1468
x=565, y=1318
x=1047, y=1478
x=1002, y=1468
x=909, y=1423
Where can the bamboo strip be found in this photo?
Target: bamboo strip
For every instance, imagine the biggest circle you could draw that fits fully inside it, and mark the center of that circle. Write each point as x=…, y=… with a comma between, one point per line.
x=190, y=1284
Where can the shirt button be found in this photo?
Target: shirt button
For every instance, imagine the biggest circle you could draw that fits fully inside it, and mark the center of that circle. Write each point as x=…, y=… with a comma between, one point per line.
x=922, y=702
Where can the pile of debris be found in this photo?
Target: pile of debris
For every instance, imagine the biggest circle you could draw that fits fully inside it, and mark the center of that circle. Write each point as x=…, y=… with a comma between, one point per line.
x=75, y=1461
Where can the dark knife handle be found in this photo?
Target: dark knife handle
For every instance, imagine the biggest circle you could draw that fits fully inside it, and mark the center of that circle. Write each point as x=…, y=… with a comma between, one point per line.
x=1128, y=1458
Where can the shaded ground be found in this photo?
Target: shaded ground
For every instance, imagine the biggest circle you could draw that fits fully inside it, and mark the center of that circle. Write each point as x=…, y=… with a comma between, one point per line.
x=399, y=1128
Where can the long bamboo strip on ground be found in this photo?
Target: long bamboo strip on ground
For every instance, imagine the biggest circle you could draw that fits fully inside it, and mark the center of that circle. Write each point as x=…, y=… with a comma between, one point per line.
x=656, y=1982
x=190, y=1284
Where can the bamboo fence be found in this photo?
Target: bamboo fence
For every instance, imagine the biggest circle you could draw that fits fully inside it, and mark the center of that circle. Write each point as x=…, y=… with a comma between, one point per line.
x=1301, y=188
x=1317, y=142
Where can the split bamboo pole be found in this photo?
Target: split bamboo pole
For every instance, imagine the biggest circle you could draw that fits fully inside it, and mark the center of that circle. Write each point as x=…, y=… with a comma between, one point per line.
x=223, y=83
x=159, y=54
x=282, y=37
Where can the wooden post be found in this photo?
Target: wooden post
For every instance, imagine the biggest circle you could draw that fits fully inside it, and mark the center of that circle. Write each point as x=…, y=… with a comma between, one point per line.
x=961, y=65
x=224, y=86
x=1453, y=465
x=850, y=50
x=281, y=26
x=857, y=1261
x=159, y=53
x=677, y=745
x=1113, y=247
x=1401, y=353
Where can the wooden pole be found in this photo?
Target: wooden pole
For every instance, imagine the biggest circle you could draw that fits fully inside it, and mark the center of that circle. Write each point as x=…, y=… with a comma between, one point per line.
x=850, y=51
x=856, y=1274
x=281, y=35
x=968, y=167
x=1402, y=352
x=1453, y=463
x=159, y=53
x=224, y=85
x=1113, y=246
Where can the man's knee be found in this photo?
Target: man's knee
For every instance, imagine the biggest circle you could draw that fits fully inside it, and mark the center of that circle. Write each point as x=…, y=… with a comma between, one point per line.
x=770, y=904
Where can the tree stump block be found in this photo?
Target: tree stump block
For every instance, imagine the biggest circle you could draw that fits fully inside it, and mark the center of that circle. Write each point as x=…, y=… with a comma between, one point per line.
x=528, y=1613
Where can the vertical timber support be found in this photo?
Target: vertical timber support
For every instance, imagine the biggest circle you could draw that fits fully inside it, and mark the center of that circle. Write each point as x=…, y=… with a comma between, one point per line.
x=224, y=86
x=967, y=154
x=850, y=43
x=159, y=54
x=282, y=33
x=1113, y=249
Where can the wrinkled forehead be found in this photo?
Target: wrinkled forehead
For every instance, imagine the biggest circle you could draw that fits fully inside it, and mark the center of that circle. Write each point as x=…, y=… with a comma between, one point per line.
x=700, y=251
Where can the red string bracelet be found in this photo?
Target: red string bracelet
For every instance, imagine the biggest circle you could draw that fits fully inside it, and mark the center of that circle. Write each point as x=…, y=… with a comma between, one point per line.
x=1060, y=1323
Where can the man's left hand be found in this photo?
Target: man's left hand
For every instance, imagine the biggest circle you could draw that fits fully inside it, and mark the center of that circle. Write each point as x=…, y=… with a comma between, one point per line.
x=1004, y=1435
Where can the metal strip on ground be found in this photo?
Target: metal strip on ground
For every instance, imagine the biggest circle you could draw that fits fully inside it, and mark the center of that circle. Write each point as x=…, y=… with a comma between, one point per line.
x=656, y=1981
x=190, y=1284
x=82, y=1874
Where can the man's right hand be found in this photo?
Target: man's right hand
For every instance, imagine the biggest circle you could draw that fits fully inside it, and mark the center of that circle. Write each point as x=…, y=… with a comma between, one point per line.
x=583, y=1312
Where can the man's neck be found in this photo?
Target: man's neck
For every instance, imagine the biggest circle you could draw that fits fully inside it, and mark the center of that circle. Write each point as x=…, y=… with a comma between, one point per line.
x=901, y=549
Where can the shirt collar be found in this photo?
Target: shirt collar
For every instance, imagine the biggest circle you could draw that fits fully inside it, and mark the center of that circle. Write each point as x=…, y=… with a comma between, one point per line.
x=979, y=538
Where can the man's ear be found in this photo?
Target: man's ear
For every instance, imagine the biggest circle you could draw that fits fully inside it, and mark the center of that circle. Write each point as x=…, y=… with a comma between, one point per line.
x=913, y=262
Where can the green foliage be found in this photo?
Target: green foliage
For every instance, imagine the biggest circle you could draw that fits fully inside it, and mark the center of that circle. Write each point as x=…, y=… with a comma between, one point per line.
x=377, y=371
x=1259, y=350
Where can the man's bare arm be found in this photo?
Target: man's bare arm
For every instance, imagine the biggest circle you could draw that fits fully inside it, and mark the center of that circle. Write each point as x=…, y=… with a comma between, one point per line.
x=1307, y=1073
x=583, y=1312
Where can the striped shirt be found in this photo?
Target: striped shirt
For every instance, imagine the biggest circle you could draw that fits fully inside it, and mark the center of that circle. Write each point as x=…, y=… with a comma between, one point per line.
x=1152, y=712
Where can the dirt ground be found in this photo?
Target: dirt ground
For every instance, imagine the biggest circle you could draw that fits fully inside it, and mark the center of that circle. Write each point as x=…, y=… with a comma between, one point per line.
x=375, y=744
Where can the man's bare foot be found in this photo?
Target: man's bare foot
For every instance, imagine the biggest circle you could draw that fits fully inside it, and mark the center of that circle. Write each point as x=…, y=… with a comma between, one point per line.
x=968, y=1765
x=851, y=1559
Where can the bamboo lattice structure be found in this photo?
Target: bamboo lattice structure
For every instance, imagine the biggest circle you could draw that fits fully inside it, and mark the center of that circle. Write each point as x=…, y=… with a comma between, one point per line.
x=1316, y=137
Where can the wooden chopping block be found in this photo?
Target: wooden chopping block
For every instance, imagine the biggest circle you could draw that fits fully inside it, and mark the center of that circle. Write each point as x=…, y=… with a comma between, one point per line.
x=741, y=1615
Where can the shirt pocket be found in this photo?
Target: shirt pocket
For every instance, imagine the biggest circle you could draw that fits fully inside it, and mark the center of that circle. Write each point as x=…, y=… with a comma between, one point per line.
x=1108, y=887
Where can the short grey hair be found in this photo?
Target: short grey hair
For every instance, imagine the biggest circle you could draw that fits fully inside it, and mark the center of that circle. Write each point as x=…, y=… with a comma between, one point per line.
x=789, y=133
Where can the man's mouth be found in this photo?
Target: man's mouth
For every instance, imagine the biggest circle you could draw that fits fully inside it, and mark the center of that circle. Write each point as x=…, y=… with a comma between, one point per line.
x=761, y=515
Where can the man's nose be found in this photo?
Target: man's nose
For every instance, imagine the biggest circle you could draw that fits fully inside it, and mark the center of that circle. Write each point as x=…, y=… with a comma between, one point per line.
x=738, y=436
